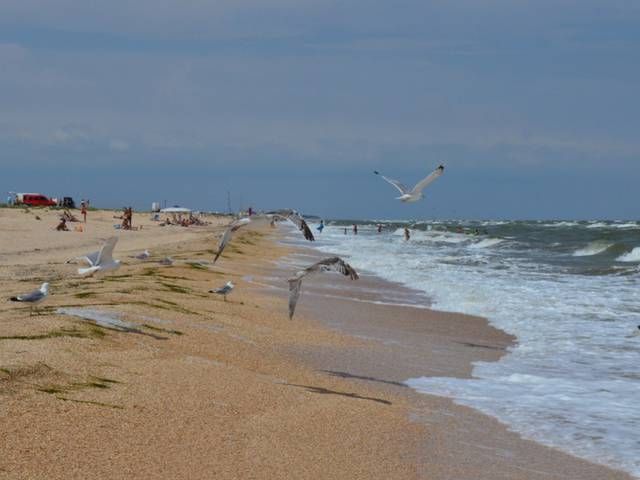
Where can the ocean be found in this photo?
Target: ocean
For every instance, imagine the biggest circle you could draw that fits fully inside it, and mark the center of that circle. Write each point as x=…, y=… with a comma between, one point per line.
x=569, y=291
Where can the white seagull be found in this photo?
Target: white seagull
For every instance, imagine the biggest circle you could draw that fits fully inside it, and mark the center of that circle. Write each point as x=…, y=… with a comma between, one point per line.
x=415, y=194
x=225, y=290
x=101, y=261
x=226, y=236
x=33, y=298
x=142, y=256
x=166, y=261
x=333, y=263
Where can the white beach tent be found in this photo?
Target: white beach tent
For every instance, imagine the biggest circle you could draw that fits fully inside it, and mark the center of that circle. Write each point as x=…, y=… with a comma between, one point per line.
x=175, y=210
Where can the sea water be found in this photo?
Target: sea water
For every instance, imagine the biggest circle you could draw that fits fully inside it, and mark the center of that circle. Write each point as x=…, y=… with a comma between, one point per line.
x=569, y=291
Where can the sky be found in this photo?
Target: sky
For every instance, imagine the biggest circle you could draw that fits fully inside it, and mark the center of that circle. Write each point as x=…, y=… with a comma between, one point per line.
x=532, y=106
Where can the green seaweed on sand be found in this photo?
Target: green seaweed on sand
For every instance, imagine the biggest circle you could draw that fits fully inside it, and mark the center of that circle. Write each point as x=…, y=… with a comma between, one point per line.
x=116, y=278
x=175, y=288
x=85, y=294
x=197, y=266
x=171, y=277
x=165, y=305
x=89, y=402
x=105, y=380
x=57, y=333
x=91, y=382
x=164, y=330
x=15, y=373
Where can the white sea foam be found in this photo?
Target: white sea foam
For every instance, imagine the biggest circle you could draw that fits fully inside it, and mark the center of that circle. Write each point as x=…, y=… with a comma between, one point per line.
x=625, y=225
x=487, y=243
x=594, y=248
x=572, y=380
x=632, y=256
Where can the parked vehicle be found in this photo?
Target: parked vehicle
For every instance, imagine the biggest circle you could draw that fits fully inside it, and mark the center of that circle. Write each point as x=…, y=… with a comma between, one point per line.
x=35, y=200
x=67, y=202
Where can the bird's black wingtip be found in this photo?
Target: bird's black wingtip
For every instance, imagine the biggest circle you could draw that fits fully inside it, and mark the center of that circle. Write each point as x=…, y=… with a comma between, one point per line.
x=441, y=167
x=14, y=299
x=376, y=172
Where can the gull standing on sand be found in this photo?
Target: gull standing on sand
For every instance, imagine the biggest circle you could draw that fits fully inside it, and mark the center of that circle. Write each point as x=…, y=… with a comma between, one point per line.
x=333, y=263
x=225, y=290
x=415, y=194
x=142, y=256
x=33, y=298
x=101, y=261
x=166, y=261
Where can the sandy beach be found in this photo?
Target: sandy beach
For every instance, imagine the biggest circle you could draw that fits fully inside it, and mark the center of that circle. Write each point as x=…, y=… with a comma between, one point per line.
x=200, y=387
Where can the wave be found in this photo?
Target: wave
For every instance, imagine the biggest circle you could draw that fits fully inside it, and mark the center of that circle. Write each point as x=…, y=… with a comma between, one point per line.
x=598, y=225
x=632, y=256
x=487, y=243
x=594, y=248
x=560, y=224
x=435, y=236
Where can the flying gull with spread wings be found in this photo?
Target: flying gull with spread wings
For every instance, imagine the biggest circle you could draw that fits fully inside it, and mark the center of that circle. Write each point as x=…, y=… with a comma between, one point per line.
x=335, y=264
x=101, y=261
x=226, y=236
x=298, y=221
x=234, y=226
x=33, y=298
x=415, y=194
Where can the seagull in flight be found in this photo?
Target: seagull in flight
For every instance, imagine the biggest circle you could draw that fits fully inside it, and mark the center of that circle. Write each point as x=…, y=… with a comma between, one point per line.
x=33, y=298
x=333, y=263
x=295, y=218
x=226, y=236
x=225, y=290
x=101, y=261
x=415, y=194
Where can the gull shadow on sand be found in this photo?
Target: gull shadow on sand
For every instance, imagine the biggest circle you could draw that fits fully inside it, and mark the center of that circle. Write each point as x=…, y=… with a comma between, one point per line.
x=334, y=373
x=326, y=391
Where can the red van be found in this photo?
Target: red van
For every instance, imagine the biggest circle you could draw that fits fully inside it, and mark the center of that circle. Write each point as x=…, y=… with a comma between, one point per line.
x=34, y=200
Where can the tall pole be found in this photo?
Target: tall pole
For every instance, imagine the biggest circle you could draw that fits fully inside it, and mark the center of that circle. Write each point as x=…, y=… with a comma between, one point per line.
x=229, y=202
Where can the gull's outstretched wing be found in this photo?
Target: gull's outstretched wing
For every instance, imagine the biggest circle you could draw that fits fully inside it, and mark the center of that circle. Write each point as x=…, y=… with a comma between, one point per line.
x=295, y=287
x=106, y=252
x=89, y=258
x=301, y=224
x=426, y=181
x=226, y=236
x=333, y=263
x=306, y=231
x=395, y=183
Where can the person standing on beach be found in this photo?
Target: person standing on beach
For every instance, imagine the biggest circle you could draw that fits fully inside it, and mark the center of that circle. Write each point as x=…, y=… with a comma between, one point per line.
x=355, y=229
x=321, y=226
x=83, y=211
x=345, y=230
x=379, y=228
x=407, y=234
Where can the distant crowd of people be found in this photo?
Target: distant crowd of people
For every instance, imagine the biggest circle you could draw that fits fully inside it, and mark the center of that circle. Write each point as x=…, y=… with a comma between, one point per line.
x=183, y=221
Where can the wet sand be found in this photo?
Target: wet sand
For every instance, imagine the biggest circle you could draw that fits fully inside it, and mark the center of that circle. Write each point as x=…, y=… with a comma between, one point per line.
x=212, y=389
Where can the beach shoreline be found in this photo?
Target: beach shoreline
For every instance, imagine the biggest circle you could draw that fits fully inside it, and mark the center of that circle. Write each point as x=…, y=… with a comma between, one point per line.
x=216, y=389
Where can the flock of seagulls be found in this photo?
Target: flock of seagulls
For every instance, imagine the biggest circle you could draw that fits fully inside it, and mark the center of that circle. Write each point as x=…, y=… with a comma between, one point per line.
x=103, y=261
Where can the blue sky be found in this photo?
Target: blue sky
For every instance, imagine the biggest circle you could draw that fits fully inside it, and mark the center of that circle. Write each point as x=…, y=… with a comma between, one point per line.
x=532, y=106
